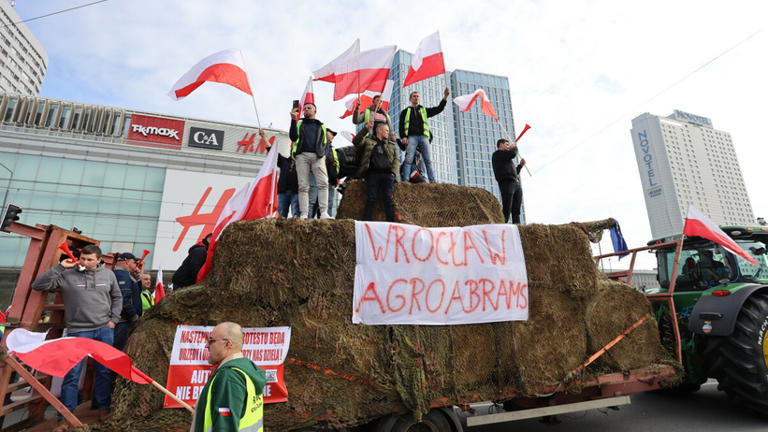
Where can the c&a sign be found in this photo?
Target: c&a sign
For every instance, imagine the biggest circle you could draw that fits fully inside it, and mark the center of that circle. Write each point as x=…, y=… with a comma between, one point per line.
x=206, y=138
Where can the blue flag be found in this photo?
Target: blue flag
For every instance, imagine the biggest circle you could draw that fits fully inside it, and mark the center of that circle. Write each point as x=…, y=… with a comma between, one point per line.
x=619, y=244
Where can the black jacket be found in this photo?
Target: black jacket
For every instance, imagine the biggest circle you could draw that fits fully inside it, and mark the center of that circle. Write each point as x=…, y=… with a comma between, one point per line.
x=186, y=274
x=311, y=134
x=504, y=165
x=416, y=125
x=287, y=181
x=131, y=292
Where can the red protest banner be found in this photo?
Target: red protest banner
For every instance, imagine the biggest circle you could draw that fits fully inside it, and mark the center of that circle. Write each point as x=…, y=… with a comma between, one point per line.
x=189, y=369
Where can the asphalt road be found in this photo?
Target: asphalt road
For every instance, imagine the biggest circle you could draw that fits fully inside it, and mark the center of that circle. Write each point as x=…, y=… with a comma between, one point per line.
x=706, y=410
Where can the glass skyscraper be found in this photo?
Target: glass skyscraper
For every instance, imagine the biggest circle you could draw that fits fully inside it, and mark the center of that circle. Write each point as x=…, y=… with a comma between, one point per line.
x=464, y=142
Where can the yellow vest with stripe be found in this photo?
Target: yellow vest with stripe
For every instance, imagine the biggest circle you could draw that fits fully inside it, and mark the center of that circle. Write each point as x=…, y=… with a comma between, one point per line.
x=367, y=117
x=423, y=120
x=335, y=159
x=298, y=135
x=253, y=417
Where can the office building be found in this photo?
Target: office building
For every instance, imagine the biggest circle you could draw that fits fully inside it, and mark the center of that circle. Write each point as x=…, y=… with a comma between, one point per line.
x=463, y=142
x=683, y=159
x=23, y=61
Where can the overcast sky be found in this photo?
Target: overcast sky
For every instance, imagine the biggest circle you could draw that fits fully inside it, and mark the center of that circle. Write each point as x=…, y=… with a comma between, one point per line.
x=579, y=71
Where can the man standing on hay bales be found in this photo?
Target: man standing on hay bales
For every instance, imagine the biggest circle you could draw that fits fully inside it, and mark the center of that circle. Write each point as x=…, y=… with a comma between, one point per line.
x=232, y=399
x=379, y=165
x=508, y=177
x=414, y=129
x=309, y=137
x=92, y=305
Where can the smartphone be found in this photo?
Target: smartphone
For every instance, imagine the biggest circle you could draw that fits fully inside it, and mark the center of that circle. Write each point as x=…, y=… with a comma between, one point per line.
x=295, y=104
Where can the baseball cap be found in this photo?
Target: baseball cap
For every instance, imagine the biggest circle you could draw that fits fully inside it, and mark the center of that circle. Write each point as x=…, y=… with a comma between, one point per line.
x=126, y=256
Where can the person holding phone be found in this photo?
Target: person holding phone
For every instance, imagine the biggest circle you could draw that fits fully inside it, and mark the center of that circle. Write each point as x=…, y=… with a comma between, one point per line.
x=310, y=139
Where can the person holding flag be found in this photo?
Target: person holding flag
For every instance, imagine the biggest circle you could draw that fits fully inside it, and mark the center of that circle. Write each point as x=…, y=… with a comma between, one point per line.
x=507, y=175
x=415, y=133
x=310, y=139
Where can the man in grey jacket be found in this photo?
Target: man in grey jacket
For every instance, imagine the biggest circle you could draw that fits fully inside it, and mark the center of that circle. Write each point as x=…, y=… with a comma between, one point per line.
x=92, y=306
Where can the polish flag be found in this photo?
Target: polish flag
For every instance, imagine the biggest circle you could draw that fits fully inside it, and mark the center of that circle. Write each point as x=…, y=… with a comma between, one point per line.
x=56, y=357
x=159, y=290
x=256, y=200
x=366, y=99
x=326, y=73
x=226, y=67
x=465, y=103
x=308, y=95
x=696, y=224
x=427, y=60
x=367, y=70
x=349, y=136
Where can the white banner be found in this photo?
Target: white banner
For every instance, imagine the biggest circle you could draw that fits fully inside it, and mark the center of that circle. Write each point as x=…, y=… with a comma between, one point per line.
x=406, y=274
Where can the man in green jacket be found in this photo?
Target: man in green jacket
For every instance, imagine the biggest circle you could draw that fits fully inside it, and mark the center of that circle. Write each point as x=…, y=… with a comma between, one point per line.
x=379, y=165
x=232, y=398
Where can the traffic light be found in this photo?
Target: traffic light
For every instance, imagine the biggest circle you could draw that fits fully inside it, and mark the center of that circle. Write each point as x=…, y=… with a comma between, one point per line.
x=11, y=215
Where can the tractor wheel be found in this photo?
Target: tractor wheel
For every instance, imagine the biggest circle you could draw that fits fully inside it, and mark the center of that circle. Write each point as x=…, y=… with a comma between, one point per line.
x=436, y=420
x=740, y=361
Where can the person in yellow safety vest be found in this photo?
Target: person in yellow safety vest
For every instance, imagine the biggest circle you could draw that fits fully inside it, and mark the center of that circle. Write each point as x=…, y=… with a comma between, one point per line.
x=147, y=291
x=309, y=137
x=375, y=111
x=232, y=399
x=414, y=129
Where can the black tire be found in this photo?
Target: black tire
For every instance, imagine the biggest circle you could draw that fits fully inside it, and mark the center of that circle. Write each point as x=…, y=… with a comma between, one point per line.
x=740, y=361
x=436, y=420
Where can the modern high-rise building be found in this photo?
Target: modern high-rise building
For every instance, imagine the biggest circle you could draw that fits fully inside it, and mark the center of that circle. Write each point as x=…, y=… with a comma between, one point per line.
x=683, y=159
x=463, y=142
x=23, y=61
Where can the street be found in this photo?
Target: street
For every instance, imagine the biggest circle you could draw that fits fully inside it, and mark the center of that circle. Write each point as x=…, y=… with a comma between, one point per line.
x=706, y=410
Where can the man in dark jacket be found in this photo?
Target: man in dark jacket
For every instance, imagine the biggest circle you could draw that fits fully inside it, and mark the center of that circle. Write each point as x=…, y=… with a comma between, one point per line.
x=92, y=305
x=379, y=165
x=309, y=137
x=186, y=274
x=414, y=130
x=131, y=291
x=507, y=175
x=232, y=399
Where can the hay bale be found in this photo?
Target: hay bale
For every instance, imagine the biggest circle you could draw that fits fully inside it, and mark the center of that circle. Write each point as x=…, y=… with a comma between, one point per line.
x=613, y=309
x=427, y=204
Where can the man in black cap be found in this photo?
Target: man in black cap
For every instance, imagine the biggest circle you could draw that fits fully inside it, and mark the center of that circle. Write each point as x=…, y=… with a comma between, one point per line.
x=131, y=291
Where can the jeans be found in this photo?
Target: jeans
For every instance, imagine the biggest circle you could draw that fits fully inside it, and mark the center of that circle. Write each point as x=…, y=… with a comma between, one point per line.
x=331, y=200
x=373, y=182
x=306, y=162
x=511, y=199
x=288, y=200
x=420, y=142
x=102, y=392
x=122, y=331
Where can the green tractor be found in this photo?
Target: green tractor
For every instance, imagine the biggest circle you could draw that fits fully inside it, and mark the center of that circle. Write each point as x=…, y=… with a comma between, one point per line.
x=721, y=307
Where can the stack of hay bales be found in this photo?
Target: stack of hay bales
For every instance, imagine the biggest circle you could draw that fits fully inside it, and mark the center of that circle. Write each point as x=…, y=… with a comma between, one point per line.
x=300, y=273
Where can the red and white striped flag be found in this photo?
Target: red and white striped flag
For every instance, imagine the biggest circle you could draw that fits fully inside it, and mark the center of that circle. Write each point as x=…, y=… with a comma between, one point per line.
x=367, y=70
x=159, y=289
x=427, y=60
x=256, y=200
x=56, y=357
x=366, y=99
x=326, y=73
x=308, y=95
x=226, y=67
x=696, y=224
x=465, y=103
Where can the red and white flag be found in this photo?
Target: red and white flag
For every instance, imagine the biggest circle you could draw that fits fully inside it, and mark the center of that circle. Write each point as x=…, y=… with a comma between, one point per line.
x=326, y=73
x=226, y=67
x=465, y=103
x=349, y=136
x=255, y=200
x=159, y=289
x=56, y=357
x=427, y=60
x=367, y=70
x=366, y=99
x=308, y=95
x=696, y=224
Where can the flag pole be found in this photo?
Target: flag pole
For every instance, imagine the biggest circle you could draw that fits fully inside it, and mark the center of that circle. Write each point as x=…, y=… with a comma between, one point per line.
x=515, y=141
x=253, y=98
